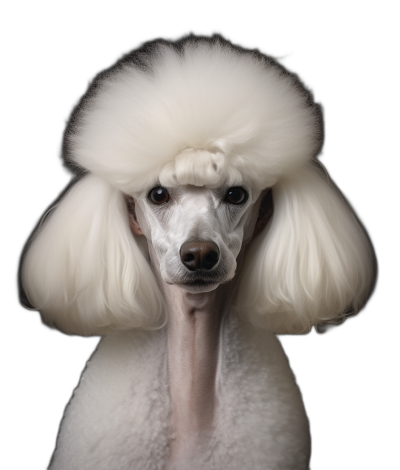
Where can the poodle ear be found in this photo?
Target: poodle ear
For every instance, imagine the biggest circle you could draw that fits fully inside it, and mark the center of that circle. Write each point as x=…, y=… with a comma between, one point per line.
x=314, y=262
x=84, y=270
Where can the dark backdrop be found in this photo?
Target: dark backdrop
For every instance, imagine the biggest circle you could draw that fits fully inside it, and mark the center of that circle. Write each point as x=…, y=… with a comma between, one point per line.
x=346, y=375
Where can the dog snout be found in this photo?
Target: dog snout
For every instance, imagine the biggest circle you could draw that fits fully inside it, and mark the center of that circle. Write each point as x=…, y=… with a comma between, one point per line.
x=198, y=255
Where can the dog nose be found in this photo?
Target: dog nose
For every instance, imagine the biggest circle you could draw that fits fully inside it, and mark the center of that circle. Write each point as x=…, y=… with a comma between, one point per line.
x=199, y=255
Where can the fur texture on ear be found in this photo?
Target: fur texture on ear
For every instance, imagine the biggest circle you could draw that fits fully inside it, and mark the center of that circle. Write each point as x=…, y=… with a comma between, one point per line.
x=85, y=270
x=313, y=264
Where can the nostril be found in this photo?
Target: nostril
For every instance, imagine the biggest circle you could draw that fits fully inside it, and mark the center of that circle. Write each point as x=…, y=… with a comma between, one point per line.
x=199, y=255
x=210, y=260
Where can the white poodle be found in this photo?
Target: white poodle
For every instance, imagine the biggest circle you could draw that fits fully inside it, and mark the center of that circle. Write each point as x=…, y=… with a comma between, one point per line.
x=209, y=151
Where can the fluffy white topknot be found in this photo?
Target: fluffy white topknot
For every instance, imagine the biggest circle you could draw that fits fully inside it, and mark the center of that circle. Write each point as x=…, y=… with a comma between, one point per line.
x=198, y=111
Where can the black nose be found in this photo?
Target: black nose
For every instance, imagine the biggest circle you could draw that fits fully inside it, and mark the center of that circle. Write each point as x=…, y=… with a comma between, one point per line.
x=199, y=255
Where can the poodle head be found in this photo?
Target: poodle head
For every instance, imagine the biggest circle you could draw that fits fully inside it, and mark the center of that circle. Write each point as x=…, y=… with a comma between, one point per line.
x=181, y=141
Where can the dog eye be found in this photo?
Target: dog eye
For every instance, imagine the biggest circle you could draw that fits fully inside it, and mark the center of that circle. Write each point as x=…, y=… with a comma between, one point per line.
x=159, y=195
x=236, y=196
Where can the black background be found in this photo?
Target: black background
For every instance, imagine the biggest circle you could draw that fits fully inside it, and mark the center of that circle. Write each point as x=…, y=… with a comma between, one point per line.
x=342, y=55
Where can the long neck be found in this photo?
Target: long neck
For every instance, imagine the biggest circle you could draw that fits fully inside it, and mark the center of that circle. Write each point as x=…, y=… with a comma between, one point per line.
x=193, y=346
x=193, y=331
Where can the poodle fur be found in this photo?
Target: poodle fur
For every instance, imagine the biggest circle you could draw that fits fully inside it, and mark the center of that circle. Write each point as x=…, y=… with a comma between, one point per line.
x=196, y=112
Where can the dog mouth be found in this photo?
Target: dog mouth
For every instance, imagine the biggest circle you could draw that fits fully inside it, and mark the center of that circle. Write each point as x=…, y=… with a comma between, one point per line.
x=199, y=286
x=202, y=281
x=199, y=280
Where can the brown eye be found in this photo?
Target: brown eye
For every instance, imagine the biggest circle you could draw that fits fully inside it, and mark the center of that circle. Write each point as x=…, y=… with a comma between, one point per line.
x=236, y=196
x=159, y=195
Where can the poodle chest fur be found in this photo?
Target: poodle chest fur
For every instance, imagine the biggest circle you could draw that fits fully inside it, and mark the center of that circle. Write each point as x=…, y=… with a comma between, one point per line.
x=120, y=415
